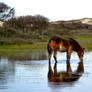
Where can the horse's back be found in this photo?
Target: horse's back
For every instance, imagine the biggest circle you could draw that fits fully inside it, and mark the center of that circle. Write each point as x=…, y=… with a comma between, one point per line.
x=56, y=41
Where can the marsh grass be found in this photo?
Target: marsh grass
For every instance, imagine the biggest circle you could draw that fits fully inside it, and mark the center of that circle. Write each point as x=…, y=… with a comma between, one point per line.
x=88, y=47
x=85, y=41
x=20, y=49
x=83, y=37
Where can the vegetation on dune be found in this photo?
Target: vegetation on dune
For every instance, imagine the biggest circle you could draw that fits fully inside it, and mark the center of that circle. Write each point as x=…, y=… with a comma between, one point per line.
x=24, y=29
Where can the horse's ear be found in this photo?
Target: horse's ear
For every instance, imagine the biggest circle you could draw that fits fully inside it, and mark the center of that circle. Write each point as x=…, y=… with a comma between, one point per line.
x=83, y=48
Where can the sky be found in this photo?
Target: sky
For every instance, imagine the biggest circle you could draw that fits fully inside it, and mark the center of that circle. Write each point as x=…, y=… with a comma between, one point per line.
x=53, y=9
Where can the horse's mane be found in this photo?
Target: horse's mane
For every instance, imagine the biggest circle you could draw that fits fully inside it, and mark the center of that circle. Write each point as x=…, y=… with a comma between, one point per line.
x=74, y=43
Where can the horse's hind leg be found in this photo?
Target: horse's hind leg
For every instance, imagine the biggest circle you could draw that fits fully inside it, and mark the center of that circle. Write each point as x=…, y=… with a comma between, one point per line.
x=55, y=56
x=50, y=58
x=49, y=52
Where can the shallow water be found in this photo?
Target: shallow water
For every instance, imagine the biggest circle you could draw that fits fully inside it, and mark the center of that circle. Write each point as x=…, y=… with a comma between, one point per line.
x=31, y=75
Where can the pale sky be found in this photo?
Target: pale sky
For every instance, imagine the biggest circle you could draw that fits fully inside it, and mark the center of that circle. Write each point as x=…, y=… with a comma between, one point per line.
x=53, y=9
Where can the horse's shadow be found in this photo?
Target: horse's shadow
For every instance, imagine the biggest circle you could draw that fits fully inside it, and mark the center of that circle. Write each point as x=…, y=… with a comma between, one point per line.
x=65, y=76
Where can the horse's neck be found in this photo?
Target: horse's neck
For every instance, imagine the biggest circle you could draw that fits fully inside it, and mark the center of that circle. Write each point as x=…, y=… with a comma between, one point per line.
x=76, y=46
x=79, y=50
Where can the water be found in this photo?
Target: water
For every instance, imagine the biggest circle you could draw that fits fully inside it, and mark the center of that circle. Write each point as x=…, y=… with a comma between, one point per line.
x=34, y=74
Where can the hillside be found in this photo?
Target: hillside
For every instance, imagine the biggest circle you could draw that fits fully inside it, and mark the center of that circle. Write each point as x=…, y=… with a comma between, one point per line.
x=81, y=26
x=83, y=20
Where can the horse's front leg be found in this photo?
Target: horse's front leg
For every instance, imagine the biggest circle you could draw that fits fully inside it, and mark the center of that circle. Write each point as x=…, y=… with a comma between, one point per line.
x=69, y=52
x=49, y=53
x=68, y=56
x=55, y=56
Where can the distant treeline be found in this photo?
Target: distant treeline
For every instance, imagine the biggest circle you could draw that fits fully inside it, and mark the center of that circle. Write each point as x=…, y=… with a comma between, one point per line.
x=24, y=27
x=28, y=23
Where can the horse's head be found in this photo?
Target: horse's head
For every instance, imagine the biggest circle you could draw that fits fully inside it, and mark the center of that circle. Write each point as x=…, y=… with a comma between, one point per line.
x=81, y=53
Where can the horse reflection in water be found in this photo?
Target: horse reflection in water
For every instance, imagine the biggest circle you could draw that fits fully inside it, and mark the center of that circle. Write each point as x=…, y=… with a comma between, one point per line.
x=65, y=76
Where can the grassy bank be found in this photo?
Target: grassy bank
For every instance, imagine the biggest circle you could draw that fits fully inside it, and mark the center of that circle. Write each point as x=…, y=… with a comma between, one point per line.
x=26, y=48
x=85, y=41
x=29, y=52
x=20, y=49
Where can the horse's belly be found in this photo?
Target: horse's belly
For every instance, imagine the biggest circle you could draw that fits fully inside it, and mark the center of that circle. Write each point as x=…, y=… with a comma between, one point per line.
x=62, y=49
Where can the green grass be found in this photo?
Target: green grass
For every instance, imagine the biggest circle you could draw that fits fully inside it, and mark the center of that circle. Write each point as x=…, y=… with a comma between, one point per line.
x=85, y=41
x=20, y=49
x=83, y=38
x=88, y=47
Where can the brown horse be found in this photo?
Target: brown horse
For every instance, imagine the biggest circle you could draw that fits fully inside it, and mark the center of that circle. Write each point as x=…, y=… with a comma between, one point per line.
x=64, y=45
